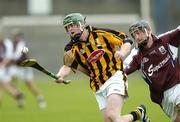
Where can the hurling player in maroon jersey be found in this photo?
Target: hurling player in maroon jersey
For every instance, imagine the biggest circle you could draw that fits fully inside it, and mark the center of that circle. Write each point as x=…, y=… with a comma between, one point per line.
x=154, y=60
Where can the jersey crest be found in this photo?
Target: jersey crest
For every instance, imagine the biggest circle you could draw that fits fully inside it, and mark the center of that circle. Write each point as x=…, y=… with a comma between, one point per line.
x=95, y=55
x=162, y=50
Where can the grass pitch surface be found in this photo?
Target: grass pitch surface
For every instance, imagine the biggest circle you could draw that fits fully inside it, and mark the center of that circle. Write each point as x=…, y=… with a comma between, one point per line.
x=73, y=103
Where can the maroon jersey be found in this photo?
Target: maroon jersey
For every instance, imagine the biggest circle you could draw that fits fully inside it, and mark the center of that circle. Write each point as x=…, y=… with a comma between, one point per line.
x=157, y=65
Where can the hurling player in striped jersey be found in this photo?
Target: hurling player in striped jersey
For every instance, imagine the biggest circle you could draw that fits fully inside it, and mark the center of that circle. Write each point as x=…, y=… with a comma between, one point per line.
x=94, y=49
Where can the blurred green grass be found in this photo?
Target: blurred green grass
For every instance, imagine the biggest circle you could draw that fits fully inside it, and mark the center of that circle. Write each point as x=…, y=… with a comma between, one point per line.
x=74, y=103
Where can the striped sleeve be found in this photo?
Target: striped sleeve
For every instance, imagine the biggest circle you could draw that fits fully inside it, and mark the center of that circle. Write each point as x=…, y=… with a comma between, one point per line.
x=69, y=60
x=113, y=39
x=121, y=35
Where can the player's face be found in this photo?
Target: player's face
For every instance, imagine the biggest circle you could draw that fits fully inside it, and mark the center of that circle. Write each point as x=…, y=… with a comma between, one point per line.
x=73, y=29
x=139, y=36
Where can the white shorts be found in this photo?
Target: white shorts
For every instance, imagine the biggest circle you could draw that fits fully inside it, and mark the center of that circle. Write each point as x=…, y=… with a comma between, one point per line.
x=171, y=100
x=4, y=75
x=114, y=85
x=24, y=73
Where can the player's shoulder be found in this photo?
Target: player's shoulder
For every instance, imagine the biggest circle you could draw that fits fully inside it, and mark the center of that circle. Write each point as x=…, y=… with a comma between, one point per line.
x=163, y=35
x=169, y=32
x=107, y=31
x=110, y=33
x=68, y=46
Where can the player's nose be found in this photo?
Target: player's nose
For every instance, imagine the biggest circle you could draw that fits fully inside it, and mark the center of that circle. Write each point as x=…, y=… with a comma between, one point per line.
x=137, y=37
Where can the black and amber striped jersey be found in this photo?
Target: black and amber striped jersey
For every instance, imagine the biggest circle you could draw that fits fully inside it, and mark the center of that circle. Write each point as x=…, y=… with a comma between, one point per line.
x=96, y=55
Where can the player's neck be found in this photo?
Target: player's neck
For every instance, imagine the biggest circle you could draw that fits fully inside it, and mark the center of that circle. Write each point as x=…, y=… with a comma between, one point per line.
x=150, y=42
x=84, y=35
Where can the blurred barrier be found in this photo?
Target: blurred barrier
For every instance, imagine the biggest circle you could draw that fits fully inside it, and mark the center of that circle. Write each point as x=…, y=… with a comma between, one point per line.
x=56, y=20
x=46, y=37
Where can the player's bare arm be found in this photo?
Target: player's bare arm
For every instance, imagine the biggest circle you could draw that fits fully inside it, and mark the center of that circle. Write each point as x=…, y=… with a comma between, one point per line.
x=125, y=48
x=62, y=73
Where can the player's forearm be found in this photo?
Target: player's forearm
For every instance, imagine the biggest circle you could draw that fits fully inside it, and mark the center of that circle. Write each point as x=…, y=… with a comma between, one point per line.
x=64, y=71
x=125, y=48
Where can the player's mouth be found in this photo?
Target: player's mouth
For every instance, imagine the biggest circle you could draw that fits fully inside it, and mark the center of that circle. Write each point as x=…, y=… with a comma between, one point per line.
x=72, y=33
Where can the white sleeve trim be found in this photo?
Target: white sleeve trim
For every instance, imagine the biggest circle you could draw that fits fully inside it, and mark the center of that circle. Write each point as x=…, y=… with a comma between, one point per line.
x=178, y=27
x=129, y=58
x=17, y=52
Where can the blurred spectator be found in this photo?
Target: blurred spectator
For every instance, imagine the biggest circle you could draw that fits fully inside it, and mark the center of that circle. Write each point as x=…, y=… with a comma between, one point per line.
x=25, y=74
x=5, y=78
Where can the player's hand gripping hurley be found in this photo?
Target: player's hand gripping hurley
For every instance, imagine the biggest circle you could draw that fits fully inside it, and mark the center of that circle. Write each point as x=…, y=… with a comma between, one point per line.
x=34, y=64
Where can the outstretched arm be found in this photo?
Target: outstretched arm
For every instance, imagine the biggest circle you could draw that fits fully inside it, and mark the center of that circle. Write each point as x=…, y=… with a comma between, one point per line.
x=62, y=73
x=125, y=48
